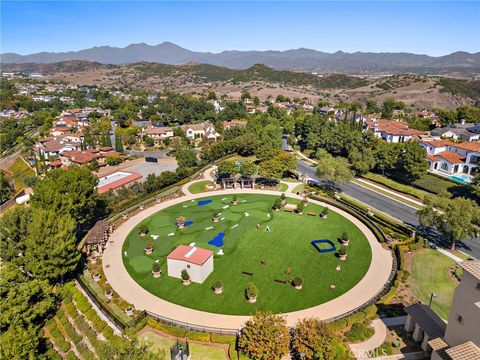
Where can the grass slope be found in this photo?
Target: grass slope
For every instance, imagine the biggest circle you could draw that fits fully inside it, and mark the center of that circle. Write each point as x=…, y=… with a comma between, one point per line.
x=430, y=274
x=287, y=245
x=198, y=187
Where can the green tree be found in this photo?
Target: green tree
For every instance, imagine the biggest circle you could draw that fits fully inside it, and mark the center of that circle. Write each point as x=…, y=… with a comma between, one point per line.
x=68, y=192
x=468, y=113
x=211, y=95
x=371, y=106
x=6, y=190
x=454, y=218
x=113, y=160
x=245, y=95
x=475, y=184
x=132, y=349
x=332, y=169
x=412, y=160
x=248, y=169
x=19, y=343
x=227, y=169
x=256, y=101
x=24, y=302
x=265, y=336
x=14, y=224
x=94, y=165
x=186, y=158
x=315, y=340
x=50, y=252
x=119, y=144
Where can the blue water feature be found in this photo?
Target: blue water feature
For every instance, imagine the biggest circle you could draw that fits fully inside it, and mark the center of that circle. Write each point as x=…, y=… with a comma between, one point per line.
x=203, y=202
x=323, y=250
x=187, y=223
x=217, y=240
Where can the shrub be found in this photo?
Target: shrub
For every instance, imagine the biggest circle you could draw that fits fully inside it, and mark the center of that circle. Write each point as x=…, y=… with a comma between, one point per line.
x=297, y=281
x=234, y=198
x=156, y=267
x=217, y=284
x=143, y=229
x=216, y=215
x=282, y=197
x=324, y=212
x=149, y=244
x=57, y=336
x=181, y=219
x=277, y=204
x=251, y=290
x=300, y=208
x=344, y=236
x=71, y=356
x=359, y=332
x=342, y=250
x=198, y=336
x=185, y=275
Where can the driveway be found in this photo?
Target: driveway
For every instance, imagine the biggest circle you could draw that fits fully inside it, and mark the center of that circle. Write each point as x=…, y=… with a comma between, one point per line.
x=145, y=168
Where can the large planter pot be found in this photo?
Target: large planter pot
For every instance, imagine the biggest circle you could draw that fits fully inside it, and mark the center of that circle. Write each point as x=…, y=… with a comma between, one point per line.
x=186, y=282
x=252, y=299
x=305, y=203
x=181, y=226
x=93, y=259
x=277, y=210
x=342, y=257
x=218, y=290
x=234, y=202
x=345, y=242
x=216, y=219
x=284, y=202
x=109, y=294
x=143, y=234
x=129, y=311
x=300, y=213
x=97, y=277
x=298, y=287
x=156, y=275
x=324, y=216
x=148, y=251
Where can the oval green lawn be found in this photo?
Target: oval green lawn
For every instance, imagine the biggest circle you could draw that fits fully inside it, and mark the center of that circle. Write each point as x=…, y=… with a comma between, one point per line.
x=245, y=246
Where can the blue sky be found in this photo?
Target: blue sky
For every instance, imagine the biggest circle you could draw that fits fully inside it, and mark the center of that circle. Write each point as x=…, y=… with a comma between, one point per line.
x=434, y=28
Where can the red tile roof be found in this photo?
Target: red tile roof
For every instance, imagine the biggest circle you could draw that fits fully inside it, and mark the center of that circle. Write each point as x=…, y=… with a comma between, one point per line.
x=469, y=146
x=451, y=157
x=438, y=143
x=432, y=157
x=55, y=163
x=191, y=254
x=393, y=127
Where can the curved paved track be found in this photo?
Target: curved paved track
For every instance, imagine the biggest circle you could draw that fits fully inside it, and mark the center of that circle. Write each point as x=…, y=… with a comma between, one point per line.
x=132, y=292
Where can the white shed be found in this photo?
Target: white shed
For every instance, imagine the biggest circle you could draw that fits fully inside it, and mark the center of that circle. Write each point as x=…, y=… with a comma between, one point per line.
x=197, y=261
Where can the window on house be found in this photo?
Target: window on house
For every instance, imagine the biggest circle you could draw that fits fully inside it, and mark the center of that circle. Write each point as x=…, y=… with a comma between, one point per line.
x=460, y=319
x=188, y=266
x=444, y=167
x=478, y=286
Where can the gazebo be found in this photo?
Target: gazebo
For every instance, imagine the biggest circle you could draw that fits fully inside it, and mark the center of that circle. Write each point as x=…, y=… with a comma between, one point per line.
x=97, y=237
x=229, y=183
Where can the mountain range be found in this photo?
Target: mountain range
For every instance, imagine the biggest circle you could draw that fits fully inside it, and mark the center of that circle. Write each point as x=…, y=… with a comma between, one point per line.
x=297, y=59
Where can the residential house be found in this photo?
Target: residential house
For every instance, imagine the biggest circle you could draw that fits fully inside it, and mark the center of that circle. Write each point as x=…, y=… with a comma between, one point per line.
x=392, y=131
x=204, y=131
x=234, y=123
x=459, y=339
x=158, y=134
x=53, y=147
x=459, y=131
x=448, y=158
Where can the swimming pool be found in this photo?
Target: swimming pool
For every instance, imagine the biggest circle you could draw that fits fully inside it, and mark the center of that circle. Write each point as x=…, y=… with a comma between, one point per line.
x=461, y=178
x=112, y=177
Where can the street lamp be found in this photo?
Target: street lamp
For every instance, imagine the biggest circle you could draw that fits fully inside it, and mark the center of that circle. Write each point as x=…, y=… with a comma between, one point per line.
x=432, y=295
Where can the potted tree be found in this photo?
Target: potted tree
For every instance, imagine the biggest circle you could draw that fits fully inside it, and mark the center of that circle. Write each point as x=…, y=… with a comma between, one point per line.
x=234, y=200
x=297, y=282
x=143, y=230
x=97, y=276
x=300, y=208
x=283, y=199
x=156, y=270
x=218, y=287
x=251, y=292
x=149, y=247
x=181, y=222
x=129, y=310
x=345, y=239
x=324, y=213
x=108, y=294
x=277, y=205
x=216, y=217
x=185, y=277
x=342, y=253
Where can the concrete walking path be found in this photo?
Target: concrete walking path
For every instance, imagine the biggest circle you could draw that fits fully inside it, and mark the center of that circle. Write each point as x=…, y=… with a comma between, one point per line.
x=119, y=279
x=450, y=255
x=382, y=190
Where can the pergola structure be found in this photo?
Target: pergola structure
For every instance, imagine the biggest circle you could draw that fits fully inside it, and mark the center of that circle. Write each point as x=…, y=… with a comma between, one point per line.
x=98, y=236
x=229, y=183
x=247, y=183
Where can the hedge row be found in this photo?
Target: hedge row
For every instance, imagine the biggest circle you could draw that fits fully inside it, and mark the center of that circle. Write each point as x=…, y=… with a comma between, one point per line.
x=409, y=190
x=194, y=335
x=356, y=317
x=71, y=356
x=400, y=253
x=57, y=336
x=69, y=329
x=85, y=352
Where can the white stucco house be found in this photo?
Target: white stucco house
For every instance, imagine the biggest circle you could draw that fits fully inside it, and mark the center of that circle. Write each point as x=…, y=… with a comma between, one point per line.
x=392, y=131
x=203, y=131
x=197, y=261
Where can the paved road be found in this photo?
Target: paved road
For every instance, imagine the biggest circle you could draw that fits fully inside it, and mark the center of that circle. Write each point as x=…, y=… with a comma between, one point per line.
x=156, y=153
x=387, y=205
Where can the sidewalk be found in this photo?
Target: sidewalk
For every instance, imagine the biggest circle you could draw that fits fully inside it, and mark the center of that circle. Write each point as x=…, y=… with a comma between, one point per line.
x=450, y=255
x=384, y=189
x=360, y=349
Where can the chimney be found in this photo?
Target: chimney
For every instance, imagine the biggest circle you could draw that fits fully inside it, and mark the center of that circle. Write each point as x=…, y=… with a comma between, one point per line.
x=462, y=121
